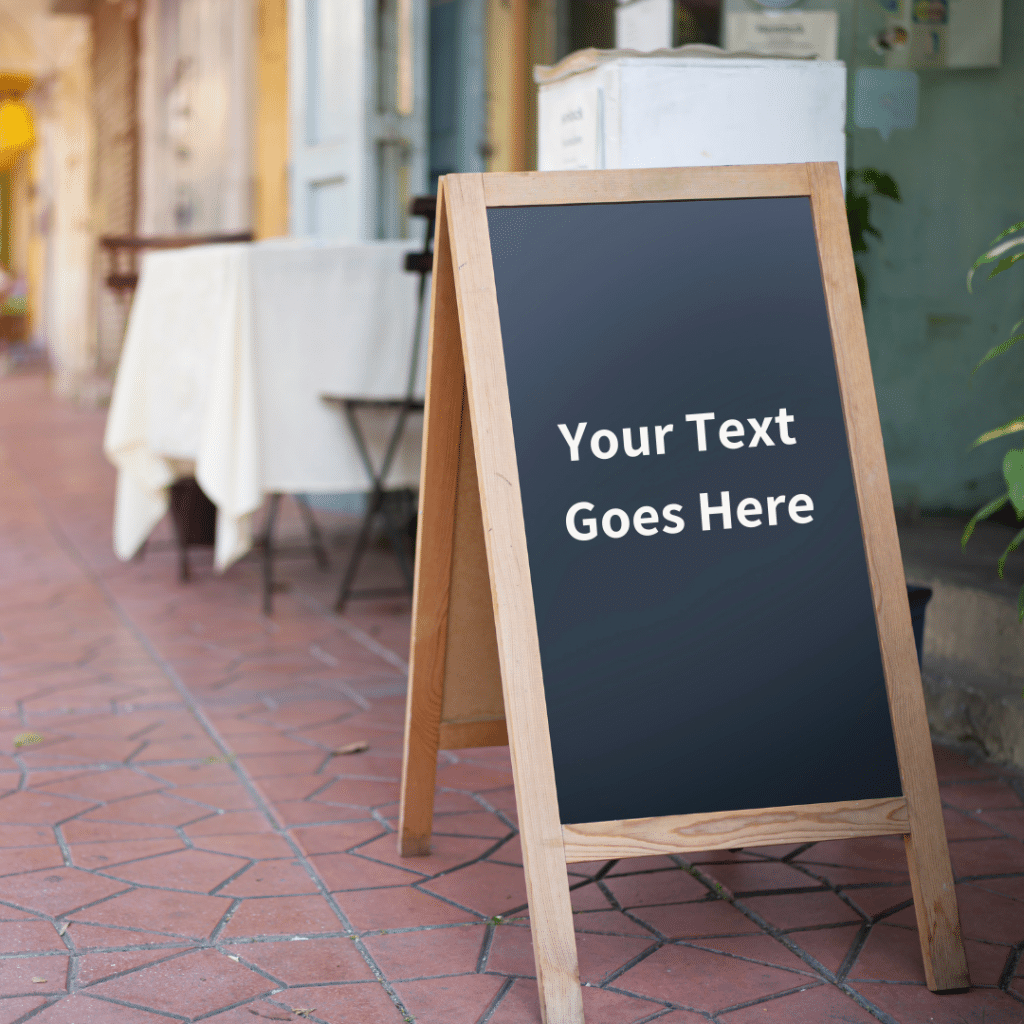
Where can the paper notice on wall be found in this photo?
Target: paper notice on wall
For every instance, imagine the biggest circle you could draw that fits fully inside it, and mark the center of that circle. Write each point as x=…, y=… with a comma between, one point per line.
x=784, y=34
x=644, y=25
x=929, y=27
x=885, y=99
x=570, y=130
x=942, y=34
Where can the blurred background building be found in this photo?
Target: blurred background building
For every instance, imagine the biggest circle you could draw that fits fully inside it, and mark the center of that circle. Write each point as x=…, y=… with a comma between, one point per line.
x=322, y=117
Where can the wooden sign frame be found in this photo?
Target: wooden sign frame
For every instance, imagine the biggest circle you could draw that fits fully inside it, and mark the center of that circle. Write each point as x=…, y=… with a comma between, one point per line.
x=475, y=670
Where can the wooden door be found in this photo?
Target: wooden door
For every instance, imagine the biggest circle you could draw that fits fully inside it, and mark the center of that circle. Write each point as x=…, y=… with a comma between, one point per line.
x=358, y=116
x=196, y=92
x=458, y=87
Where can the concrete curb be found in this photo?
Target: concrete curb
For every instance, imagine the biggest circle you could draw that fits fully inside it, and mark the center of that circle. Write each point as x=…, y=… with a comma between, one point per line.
x=973, y=672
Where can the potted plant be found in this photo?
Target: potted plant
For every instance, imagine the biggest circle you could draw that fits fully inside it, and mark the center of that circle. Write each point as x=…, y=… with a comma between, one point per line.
x=862, y=184
x=1000, y=252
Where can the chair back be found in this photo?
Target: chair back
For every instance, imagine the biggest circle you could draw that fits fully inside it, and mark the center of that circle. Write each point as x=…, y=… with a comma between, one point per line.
x=123, y=253
x=421, y=263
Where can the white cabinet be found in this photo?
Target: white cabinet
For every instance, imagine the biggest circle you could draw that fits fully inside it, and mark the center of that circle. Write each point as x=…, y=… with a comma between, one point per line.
x=606, y=110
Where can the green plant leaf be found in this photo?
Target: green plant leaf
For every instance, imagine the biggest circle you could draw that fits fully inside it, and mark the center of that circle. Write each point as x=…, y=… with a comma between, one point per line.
x=1013, y=472
x=1020, y=607
x=882, y=183
x=1013, y=427
x=1012, y=546
x=858, y=210
x=983, y=513
x=1019, y=226
x=1006, y=262
x=993, y=253
x=999, y=349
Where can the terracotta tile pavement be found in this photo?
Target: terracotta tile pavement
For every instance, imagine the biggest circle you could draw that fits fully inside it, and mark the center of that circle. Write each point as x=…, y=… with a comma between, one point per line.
x=181, y=843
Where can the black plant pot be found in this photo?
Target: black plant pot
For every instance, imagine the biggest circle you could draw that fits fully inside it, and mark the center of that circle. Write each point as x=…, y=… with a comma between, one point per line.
x=918, y=598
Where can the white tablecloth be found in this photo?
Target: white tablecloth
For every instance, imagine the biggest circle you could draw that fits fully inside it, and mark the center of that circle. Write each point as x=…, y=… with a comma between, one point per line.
x=228, y=350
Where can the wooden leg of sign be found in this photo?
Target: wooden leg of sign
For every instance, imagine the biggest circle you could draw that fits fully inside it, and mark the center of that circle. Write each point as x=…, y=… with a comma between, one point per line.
x=938, y=919
x=547, y=888
x=441, y=432
x=931, y=876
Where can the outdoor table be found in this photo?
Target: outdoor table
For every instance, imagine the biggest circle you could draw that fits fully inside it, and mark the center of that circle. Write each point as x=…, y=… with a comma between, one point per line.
x=228, y=350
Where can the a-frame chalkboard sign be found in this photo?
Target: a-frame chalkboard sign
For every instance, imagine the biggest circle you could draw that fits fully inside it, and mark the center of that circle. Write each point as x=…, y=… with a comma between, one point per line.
x=657, y=553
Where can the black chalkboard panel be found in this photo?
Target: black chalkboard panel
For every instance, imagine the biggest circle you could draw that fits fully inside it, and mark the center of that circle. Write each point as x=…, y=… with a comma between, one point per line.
x=689, y=670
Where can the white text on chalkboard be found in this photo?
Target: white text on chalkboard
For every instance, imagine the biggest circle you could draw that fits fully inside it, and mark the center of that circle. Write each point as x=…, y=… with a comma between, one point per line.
x=604, y=443
x=646, y=520
x=616, y=522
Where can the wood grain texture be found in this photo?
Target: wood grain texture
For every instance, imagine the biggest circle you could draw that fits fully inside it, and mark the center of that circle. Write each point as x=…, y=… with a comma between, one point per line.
x=552, y=188
x=487, y=733
x=728, y=830
x=547, y=886
x=472, y=674
x=441, y=433
x=927, y=851
x=460, y=686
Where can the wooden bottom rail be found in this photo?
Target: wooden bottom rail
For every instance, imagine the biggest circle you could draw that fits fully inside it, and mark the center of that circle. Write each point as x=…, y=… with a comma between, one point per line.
x=727, y=830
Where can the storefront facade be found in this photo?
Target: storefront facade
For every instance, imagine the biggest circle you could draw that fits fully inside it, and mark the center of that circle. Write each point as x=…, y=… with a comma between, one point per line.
x=322, y=117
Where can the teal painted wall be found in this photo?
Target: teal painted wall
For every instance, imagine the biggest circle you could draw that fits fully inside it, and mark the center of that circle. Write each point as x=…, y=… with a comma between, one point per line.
x=961, y=173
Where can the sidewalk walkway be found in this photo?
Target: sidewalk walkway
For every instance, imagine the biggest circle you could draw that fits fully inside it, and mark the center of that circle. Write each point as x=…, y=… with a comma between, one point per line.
x=182, y=842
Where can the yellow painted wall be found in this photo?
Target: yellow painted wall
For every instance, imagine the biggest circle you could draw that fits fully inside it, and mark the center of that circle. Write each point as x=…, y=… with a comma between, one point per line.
x=53, y=185
x=22, y=175
x=18, y=53
x=271, y=158
x=499, y=120
x=500, y=78
x=543, y=47
x=28, y=217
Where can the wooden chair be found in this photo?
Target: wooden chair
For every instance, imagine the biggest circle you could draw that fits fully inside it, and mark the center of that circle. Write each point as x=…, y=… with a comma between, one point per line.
x=123, y=252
